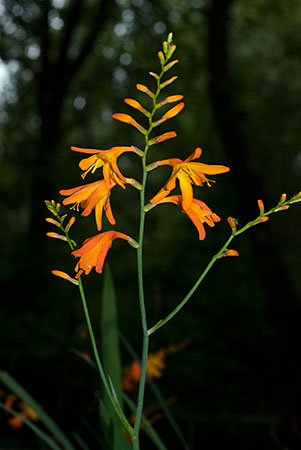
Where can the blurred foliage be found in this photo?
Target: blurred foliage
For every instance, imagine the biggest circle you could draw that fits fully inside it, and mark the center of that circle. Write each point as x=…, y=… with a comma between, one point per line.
x=65, y=67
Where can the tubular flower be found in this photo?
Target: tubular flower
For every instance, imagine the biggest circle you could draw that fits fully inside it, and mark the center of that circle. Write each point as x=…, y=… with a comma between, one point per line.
x=92, y=196
x=187, y=173
x=198, y=213
x=107, y=159
x=94, y=250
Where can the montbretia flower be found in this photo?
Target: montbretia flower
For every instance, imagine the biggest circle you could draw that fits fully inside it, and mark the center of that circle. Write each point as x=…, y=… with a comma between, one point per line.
x=187, y=173
x=94, y=250
x=107, y=159
x=92, y=196
x=198, y=213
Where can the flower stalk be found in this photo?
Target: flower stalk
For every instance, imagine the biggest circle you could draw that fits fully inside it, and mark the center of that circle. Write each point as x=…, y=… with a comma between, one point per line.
x=263, y=216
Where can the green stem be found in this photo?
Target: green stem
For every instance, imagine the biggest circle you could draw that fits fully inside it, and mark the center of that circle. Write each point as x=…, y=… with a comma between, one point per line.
x=145, y=342
x=211, y=263
x=108, y=389
x=111, y=396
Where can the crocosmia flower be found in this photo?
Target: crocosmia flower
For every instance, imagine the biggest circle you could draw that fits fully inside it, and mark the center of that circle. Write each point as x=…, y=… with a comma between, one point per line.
x=187, y=173
x=92, y=196
x=198, y=213
x=94, y=250
x=107, y=159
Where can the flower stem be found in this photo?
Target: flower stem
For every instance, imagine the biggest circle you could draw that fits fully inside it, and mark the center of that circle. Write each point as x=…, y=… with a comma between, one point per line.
x=259, y=219
x=145, y=342
x=109, y=391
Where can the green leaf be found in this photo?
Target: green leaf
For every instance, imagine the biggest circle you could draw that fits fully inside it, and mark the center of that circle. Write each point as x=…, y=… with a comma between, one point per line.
x=110, y=352
x=15, y=387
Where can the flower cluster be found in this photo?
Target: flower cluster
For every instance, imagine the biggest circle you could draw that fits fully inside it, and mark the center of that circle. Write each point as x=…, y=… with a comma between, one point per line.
x=96, y=196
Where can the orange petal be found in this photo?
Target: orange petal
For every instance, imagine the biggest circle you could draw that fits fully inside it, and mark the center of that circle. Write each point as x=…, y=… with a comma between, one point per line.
x=194, y=155
x=186, y=189
x=85, y=150
x=162, y=137
x=128, y=119
x=209, y=169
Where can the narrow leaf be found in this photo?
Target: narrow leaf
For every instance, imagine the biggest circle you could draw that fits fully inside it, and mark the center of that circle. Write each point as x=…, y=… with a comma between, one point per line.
x=49, y=423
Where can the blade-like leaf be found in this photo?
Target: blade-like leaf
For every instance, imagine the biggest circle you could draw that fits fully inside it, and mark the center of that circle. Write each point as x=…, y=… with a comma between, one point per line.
x=49, y=423
x=110, y=350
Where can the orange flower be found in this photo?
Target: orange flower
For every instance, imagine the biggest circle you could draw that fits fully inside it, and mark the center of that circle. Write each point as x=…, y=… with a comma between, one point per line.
x=154, y=369
x=198, y=213
x=131, y=376
x=187, y=173
x=26, y=412
x=106, y=159
x=155, y=364
x=92, y=196
x=94, y=250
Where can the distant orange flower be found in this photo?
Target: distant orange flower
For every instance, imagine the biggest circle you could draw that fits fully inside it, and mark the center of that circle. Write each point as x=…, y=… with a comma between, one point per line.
x=107, y=159
x=92, y=196
x=198, y=213
x=187, y=173
x=94, y=250
x=25, y=412
x=154, y=369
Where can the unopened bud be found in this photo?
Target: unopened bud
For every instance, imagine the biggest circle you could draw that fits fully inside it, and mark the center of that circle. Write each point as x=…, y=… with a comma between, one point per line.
x=261, y=207
x=133, y=243
x=229, y=253
x=232, y=222
x=65, y=276
x=56, y=236
x=53, y=221
x=161, y=57
x=262, y=219
x=149, y=206
x=282, y=208
x=70, y=223
x=165, y=47
x=282, y=198
x=169, y=38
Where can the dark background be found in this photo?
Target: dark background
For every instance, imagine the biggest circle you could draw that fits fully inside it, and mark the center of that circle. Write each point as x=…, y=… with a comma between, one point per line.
x=70, y=64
